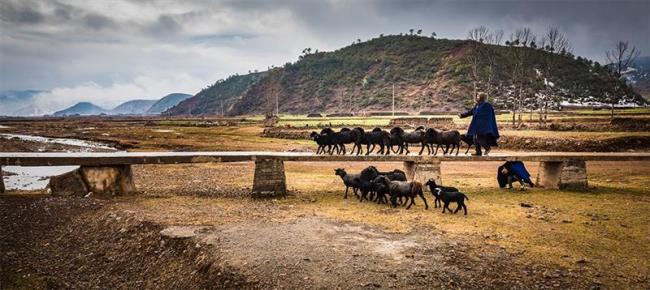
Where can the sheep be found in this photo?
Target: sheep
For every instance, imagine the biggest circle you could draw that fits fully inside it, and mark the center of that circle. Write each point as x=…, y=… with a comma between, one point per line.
x=349, y=180
x=436, y=189
x=443, y=138
x=453, y=196
x=395, y=189
x=369, y=173
x=468, y=140
x=323, y=141
x=345, y=136
x=403, y=139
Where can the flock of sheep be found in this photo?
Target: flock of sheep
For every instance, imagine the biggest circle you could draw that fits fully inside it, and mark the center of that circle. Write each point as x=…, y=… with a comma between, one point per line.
x=382, y=187
x=397, y=140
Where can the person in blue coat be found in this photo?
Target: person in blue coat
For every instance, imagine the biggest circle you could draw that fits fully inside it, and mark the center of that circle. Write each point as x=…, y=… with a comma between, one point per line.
x=483, y=128
x=513, y=171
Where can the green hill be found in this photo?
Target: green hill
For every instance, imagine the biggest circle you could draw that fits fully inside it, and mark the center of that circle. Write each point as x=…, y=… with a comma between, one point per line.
x=209, y=100
x=427, y=74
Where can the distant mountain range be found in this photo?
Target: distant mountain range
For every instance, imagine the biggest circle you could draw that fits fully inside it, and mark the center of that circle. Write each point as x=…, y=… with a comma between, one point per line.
x=20, y=103
x=639, y=76
x=133, y=107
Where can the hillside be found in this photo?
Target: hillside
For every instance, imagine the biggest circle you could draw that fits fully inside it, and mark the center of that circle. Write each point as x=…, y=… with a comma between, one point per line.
x=81, y=108
x=134, y=107
x=167, y=102
x=427, y=74
x=639, y=76
x=209, y=100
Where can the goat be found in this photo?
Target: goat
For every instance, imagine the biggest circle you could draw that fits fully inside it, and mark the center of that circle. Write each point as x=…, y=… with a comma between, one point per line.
x=395, y=189
x=436, y=189
x=349, y=180
x=453, y=196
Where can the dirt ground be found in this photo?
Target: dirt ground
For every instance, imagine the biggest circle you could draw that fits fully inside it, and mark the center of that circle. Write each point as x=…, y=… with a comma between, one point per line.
x=195, y=226
x=215, y=236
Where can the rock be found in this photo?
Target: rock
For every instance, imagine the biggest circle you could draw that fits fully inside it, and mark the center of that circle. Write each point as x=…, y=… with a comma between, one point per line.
x=581, y=261
x=180, y=232
x=524, y=204
x=567, y=221
x=68, y=184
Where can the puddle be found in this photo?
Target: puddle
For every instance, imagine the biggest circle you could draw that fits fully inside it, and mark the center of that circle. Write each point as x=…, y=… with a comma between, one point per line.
x=31, y=177
x=162, y=131
x=87, y=145
x=37, y=177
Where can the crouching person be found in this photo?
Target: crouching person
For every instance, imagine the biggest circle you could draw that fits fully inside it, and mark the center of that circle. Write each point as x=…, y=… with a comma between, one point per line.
x=513, y=171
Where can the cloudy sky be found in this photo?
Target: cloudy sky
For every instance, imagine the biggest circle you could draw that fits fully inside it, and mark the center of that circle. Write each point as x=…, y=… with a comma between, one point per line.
x=109, y=51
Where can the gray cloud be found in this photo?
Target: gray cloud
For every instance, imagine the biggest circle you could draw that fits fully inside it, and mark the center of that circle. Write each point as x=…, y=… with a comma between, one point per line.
x=61, y=45
x=20, y=13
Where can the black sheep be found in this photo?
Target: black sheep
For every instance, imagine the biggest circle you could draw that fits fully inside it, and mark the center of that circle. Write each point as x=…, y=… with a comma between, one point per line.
x=408, y=189
x=349, y=180
x=467, y=140
x=453, y=196
x=436, y=189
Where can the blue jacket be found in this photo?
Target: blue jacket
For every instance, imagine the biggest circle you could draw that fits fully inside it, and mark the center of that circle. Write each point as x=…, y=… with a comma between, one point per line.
x=484, y=122
x=515, y=168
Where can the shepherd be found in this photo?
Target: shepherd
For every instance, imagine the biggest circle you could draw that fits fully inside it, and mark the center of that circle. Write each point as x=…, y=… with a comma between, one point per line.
x=483, y=128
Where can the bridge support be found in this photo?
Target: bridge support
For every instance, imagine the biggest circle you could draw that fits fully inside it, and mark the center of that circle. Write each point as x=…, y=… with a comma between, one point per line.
x=562, y=174
x=102, y=180
x=423, y=171
x=269, y=179
x=2, y=182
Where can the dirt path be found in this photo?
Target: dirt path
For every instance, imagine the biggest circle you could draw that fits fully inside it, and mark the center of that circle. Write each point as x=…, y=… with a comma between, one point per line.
x=85, y=243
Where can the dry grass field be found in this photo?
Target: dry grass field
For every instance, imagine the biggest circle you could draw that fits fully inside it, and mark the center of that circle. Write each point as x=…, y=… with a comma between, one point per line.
x=538, y=238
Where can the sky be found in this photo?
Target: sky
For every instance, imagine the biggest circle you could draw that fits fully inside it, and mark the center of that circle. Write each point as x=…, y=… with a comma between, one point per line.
x=111, y=51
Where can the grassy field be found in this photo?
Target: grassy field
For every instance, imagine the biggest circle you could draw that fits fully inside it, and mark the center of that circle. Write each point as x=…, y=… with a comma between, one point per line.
x=604, y=229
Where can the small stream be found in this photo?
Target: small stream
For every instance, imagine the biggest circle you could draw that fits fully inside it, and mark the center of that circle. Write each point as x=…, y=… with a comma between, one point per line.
x=37, y=177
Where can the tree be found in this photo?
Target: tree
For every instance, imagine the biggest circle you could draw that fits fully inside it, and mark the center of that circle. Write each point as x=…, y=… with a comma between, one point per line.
x=433, y=35
x=552, y=41
x=411, y=31
x=620, y=57
x=419, y=31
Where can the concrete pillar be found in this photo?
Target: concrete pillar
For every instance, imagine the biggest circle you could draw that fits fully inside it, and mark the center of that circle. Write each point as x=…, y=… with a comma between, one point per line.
x=423, y=171
x=2, y=182
x=101, y=180
x=562, y=174
x=269, y=179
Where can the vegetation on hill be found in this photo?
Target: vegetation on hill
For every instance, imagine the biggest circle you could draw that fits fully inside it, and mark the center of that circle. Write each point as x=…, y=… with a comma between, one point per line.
x=222, y=94
x=426, y=74
x=167, y=102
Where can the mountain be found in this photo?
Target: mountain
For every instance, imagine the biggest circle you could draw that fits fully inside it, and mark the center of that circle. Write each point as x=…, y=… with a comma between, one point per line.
x=209, y=100
x=19, y=103
x=167, y=102
x=426, y=74
x=134, y=107
x=81, y=108
x=639, y=76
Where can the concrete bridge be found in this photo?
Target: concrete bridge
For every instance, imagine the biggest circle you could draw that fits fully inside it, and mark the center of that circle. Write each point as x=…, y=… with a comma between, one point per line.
x=110, y=173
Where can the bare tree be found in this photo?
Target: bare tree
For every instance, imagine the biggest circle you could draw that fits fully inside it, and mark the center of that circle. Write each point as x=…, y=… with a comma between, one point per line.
x=479, y=34
x=553, y=42
x=620, y=57
x=520, y=71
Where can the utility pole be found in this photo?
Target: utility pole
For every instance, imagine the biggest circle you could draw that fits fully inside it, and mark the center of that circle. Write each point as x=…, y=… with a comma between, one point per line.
x=393, y=100
x=221, y=108
x=277, y=106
